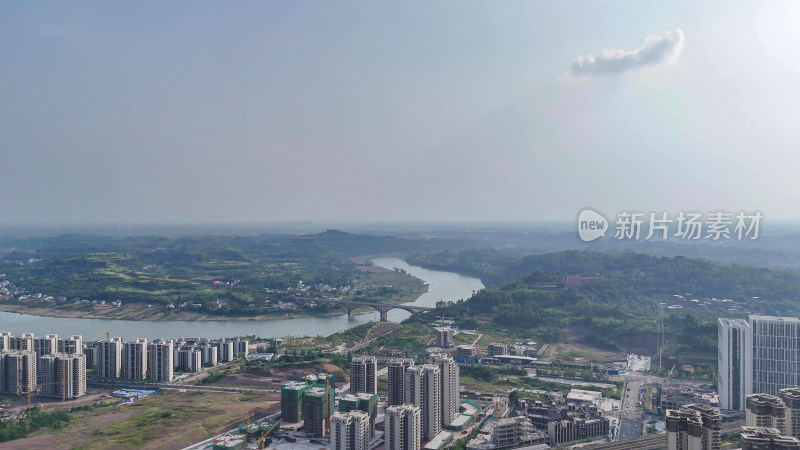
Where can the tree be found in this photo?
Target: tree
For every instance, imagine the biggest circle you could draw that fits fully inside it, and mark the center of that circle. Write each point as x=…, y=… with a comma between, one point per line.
x=513, y=397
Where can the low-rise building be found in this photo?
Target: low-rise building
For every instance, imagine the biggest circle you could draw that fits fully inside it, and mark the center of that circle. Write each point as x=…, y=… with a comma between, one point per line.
x=444, y=337
x=763, y=438
x=496, y=348
x=765, y=411
x=695, y=427
x=465, y=351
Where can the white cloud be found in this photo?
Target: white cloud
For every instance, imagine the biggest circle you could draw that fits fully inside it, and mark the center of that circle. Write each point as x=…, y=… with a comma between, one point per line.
x=664, y=49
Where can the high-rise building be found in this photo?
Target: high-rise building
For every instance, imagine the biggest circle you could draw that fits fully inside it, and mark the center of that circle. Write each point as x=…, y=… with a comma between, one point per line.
x=422, y=387
x=694, y=427
x=134, y=359
x=109, y=358
x=762, y=438
x=292, y=394
x=225, y=351
x=364, y=374
x=444, y=337
x=791, y=399
x=765, y=411
x=403, y=427
x=496, y=348
x=189, y=360
x=734, y=362
x=18, y=375
x=241, y=347
x=350, y=431
x=73, y=344
x=317, y=409
x=776, y=353
x=92, y=354
x=412, y=386
x=24, y=341
x=159, y=360
x=361, y=402
x=450, y=384
x=396, y=372
x=5, y=341
x=63, y=376
x=47, y=345
x=210, y=354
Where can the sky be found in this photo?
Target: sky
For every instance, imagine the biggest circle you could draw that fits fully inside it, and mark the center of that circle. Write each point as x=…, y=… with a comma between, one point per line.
x=247, y=112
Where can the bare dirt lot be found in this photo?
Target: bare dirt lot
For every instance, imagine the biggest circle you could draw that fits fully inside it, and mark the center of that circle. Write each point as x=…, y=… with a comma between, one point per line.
x=272, y=378
x=167, y=420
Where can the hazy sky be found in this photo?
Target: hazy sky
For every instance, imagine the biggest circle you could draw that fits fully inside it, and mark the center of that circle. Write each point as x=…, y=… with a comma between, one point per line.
x=479, y=111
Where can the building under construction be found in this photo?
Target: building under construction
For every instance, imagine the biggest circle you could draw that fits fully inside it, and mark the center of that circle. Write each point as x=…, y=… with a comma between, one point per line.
x=361, y=402
x=63, y=376
x=18, y=372
x=292, y=393
x=317, y=410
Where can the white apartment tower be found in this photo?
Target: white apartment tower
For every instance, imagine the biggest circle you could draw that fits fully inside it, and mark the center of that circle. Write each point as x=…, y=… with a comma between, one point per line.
x=160, y=364
x=210, y=354
x=24, y=342
x=63, y=376
x=450, y=384
x=18, y=374
x=134, y=357
x=350, y=431
x=189, y=360
x=364, y=375
x=109, y=358
x=396, y=371
x=5, y=341
x=403, y=427
x=73, y=344
x=734, y=362
x=422, y=388
x=47, y=345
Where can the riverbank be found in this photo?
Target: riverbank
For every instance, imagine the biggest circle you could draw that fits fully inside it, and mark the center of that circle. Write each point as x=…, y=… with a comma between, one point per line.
x=141, y=313
x=407, y=289
x=434, y=285
x=148, y=315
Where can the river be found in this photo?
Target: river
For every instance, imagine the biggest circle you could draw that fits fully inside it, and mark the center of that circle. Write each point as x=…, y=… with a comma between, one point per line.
x=441, y=286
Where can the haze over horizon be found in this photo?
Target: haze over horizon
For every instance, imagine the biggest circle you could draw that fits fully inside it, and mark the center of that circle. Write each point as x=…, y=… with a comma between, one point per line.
x=193, y=112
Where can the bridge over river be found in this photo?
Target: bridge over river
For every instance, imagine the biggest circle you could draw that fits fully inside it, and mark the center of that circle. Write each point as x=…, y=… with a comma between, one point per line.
x=351, y=306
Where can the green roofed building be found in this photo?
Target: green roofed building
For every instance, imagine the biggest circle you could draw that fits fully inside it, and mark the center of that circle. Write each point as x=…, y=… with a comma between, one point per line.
x=362, y=401
x=292, y=394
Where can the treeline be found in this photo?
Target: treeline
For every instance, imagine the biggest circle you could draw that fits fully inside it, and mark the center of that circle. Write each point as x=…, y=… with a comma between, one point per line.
x=618, y=309
x=34, y=420
x=162, y=271
x=488, y=373
x=771, y=291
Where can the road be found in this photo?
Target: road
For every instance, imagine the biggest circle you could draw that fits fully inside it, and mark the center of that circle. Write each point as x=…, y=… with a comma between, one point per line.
x=630, y=411
x=187, y=387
